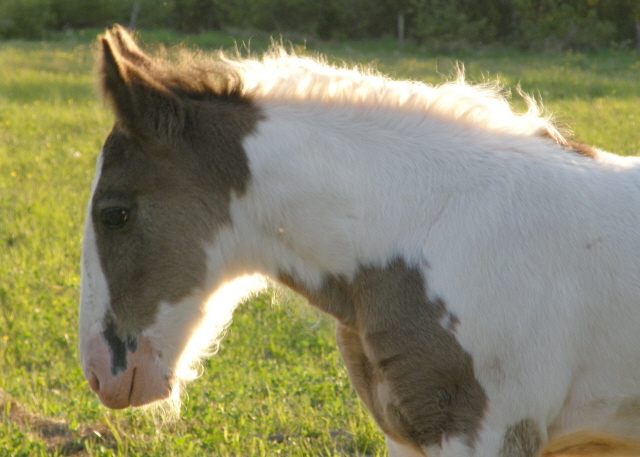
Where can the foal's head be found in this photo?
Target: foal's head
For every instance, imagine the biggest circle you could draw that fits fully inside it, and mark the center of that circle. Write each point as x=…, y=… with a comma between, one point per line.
x=163, y=185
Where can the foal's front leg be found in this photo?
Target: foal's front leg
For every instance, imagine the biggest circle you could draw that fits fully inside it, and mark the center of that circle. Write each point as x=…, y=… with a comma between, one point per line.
x=363, y=378
x=521, y=437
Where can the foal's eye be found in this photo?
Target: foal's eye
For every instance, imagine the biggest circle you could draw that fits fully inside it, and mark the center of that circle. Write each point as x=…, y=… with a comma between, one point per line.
x=114, y=218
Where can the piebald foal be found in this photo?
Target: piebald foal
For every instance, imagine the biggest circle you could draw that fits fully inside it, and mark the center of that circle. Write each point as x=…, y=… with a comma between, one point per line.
x=483, y=272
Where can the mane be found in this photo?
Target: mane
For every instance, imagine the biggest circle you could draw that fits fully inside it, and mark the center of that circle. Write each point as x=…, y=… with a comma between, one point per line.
x=283, y=76
x=195, y=75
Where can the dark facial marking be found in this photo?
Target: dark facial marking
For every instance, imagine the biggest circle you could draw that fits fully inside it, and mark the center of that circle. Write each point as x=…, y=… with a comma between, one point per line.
x=522, y=440
x=392, y=340
x=118, y=348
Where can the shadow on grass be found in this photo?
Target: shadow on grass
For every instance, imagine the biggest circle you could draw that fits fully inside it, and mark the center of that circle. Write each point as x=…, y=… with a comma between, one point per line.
x=57, y=436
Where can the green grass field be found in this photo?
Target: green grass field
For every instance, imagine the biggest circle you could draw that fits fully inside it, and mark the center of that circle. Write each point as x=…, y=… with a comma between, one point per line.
x=277, y=385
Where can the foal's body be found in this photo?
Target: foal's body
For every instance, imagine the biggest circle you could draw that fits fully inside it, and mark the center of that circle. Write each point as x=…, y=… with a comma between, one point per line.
x=484, y=276
x=515, y=243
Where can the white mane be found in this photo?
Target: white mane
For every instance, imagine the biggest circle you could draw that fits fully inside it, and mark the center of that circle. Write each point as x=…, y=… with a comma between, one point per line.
x=280, y=75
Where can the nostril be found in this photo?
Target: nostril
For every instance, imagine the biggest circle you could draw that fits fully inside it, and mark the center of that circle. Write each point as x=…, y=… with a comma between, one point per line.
x=94, y=382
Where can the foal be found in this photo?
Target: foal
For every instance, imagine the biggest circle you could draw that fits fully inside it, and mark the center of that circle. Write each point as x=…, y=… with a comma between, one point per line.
x=484, y=274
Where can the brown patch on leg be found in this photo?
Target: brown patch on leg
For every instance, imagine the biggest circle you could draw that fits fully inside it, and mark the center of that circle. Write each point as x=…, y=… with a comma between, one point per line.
x=433, y=391
x=410, y=372
x=522, y=440
x=364, y=378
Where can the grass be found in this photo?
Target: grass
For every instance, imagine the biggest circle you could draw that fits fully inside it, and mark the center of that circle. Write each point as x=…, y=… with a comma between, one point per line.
x=277, y=386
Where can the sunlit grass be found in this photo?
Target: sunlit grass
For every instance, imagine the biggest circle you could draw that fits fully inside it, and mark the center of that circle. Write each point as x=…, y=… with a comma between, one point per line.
x=277, y=386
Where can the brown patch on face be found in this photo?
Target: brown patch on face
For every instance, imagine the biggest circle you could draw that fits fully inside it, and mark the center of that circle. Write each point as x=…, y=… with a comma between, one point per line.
x=171, y=164
x=522, y=440
x=410, y=372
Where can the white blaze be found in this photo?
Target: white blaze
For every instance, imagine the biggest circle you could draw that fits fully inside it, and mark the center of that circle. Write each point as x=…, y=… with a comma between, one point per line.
x=94, y=291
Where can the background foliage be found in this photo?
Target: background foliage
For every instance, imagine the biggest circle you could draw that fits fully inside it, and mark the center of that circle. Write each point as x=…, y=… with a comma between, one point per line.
x=530, y=24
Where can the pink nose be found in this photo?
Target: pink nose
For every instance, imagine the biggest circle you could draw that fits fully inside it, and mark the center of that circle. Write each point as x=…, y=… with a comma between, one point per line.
x=140, y=383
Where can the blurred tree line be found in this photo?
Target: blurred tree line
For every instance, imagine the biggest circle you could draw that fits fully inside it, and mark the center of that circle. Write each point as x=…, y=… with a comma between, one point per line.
x=529, y=24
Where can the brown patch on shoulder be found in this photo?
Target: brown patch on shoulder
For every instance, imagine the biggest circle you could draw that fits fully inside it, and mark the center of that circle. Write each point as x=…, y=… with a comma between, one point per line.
x=410, y=372
x=333, y=297
x=172, y=163
x=522, y=440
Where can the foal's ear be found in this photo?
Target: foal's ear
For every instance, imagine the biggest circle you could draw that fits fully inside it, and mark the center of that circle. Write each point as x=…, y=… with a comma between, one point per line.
x=142, y=104
x=127, y=46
